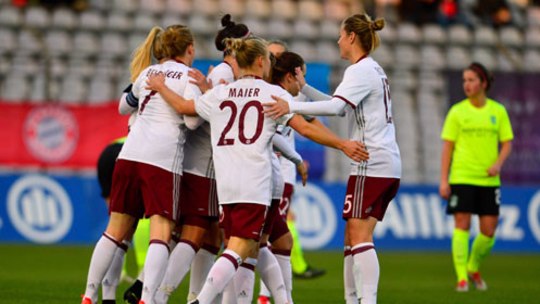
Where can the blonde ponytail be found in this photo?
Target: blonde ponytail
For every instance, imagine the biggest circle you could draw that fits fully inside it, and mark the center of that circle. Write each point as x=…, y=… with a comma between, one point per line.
x=142, y=56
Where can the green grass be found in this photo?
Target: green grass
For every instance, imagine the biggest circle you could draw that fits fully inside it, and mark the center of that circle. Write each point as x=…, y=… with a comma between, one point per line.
x=53, y=274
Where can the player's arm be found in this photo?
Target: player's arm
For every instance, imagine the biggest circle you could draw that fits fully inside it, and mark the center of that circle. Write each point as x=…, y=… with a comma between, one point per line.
x=309, y=91
x=281, y=145
x=446, y=160
x=506, y=149
x=332, y=107
x=156, y=82
x=353, y=149
x=128, y=102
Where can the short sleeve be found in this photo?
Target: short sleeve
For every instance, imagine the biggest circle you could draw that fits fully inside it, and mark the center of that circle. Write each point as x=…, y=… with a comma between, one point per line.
x=203, y=105
x=505, y=130
x=450, y=129
x=354, y=87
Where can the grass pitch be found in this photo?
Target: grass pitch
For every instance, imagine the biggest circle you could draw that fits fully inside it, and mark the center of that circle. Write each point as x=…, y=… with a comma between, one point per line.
x=54, y=274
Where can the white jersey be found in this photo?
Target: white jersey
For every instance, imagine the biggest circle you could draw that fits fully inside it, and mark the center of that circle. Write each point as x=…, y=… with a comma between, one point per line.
x=277, y=178
x=242, y=138
x=365, y=88
x=157, y=137
x=198, y=148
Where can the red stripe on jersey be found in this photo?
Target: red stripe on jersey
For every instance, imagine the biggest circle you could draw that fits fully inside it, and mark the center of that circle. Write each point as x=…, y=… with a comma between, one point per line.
x=346, y=100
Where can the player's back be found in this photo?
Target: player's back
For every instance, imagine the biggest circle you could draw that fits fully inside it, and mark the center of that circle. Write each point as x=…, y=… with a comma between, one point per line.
x=241, y=138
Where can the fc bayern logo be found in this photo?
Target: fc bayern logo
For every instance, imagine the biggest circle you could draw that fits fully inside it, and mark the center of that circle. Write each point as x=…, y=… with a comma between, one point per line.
x=51, y=133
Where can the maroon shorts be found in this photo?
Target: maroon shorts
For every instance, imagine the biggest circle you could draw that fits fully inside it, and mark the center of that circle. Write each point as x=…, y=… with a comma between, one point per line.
x=243, y=220
x=369, y=196
x=279, y=228
x=286, y=200
x=198, y=200
x=141, y=189
x=273, y=213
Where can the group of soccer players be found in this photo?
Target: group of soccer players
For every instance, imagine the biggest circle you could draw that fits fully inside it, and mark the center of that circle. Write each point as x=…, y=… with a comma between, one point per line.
x=188, y=153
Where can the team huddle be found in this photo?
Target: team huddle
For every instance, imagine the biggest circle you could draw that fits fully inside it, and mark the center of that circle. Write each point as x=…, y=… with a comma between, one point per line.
x=202, y=162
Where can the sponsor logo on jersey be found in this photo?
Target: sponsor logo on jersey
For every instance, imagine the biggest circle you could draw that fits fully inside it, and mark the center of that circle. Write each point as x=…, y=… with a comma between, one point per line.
x=316, y=218
x=39, y=209
x=51, y=133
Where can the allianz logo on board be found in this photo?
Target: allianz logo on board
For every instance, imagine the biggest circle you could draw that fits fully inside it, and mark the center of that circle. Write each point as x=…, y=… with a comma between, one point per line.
x=39, y=209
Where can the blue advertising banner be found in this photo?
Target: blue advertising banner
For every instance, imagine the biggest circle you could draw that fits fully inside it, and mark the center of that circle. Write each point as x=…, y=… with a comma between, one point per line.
x=67, y=209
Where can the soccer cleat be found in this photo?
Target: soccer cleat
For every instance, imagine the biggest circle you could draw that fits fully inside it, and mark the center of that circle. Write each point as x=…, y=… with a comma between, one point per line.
x=194, y=302
x=462, y=286
x=263, y=300
x=309, y=273
x=477, y=281
x=132, y=295
x=86, y=300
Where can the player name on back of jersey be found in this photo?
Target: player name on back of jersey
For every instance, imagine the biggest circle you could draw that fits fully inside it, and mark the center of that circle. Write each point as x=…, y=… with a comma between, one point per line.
x=167, y=73
x=243, y=92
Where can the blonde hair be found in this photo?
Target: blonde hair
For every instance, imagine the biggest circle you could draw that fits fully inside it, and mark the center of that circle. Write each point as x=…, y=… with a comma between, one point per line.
x=160, y=43
x=365, y=29
x=246, y=50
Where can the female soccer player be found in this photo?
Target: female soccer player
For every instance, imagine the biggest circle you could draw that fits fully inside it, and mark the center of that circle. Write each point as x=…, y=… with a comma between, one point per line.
x=150, y=163
x=363, y=96
x=241, y=143
x=470, y=165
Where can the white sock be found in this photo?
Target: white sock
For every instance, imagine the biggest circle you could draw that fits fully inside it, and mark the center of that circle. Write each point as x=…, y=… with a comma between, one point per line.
x=244, y=281
x=200, y=266
x=228, y=296
x=154, y=269
x=177, y=267
x=219, y=276
x=284, y=262
x=366, y=272
x=263, y=290
x=348, y=277
x=270, y=273
x=112, y=277
x=99, y=265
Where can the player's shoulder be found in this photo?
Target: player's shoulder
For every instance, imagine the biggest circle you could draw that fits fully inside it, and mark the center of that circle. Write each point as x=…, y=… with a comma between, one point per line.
x=496, y=105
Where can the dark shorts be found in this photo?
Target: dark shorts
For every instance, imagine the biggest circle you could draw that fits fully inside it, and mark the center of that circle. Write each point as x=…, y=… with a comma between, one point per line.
x=243, y=220
x=140, y=188
x=369, y=196
x=271, y=216
x=198, y=200
x=286, y=200
x=105, y=167
x=474, y=199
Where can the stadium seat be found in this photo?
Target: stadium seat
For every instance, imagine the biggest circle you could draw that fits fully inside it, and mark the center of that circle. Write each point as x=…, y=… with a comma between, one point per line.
x=310, y=10
x=408, y=33
x=305, y=29
x=403, y=79
x=305, y=49
x=284, y=9
x=152, y=6
x=485, y=56
x=10, y=16
x=406, y=56
x=201, y=25
x=58, y=42
x=119, y=21
x=205, y=7
x=181, y=7
x=234, y=7
x=80, y=66
x=16, y=87
x=433, y=33
x=431, y=80
x=143, y=22
x=336, y=11
x=64, y=19
x=37, y=17
x=113, y=45
x=432, y=58
x=128, y=6
x=532, y=36
x=257, y=9
x=85, y=43
x=38, y=91
x=256, y=26
x=171, y=19
x=73, y=89
x=100, y=89
x=509, y=61
x=329, y=29
x=327, y=52
x=57, y=67
x=511, y=37
x=459, y=35
x=388, y=34
x=485, y=36
x=384, y=55
x=279, y=29
x=531, y=60
x=457, y=57
x=8, y=41
x=29, y=41
x=134, y=40
x=91, y=20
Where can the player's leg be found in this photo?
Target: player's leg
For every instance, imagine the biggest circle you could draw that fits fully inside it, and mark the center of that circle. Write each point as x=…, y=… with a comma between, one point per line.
x=460, y=248
x=282, y=243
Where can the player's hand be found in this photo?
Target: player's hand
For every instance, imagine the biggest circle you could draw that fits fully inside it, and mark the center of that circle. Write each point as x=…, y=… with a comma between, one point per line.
x=302, y=169
x=494, y=170
x=276, y=109
x=199, y=80
x=444, y=190
x=300, y=77
x=155, y=82
x=355, y=150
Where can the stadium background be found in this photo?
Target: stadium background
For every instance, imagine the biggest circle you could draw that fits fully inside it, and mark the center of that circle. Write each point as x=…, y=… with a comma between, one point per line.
x=63, y=64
